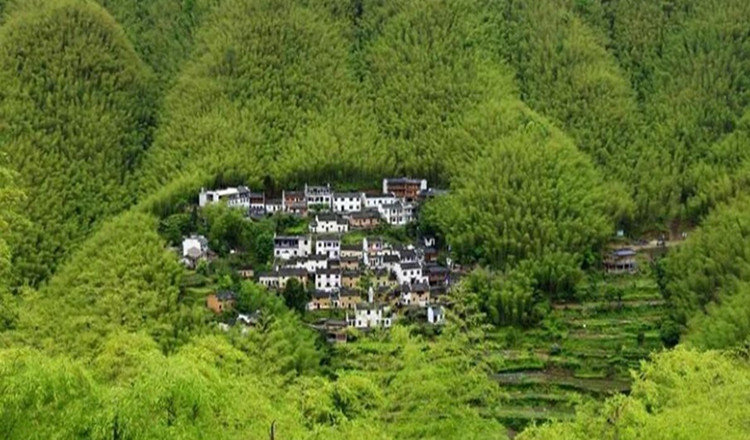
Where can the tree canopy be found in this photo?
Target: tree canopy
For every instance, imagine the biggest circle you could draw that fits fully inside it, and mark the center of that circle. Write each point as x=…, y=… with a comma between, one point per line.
x=75, y=117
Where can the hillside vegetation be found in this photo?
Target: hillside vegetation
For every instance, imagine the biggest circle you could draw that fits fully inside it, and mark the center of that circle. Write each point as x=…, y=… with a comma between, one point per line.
x=552, y=124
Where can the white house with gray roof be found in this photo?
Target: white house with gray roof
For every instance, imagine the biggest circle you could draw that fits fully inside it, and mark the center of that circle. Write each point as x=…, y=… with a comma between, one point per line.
x=347, y=202
x=291, y=246
x=238, y=197
x=328, y=245
x=328, y=223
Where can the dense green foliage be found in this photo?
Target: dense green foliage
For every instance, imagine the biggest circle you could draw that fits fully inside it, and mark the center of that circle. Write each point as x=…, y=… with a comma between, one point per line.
x=553, y=123
x=708, y=275
x=533, y=202
x=681, y=394
x=123, y=279
x=75, y=119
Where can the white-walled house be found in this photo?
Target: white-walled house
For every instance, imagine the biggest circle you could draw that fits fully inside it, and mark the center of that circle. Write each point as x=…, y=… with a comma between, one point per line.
x=238, y=197
x=194, y=249
x=329, y=245
x=347, y=202
x=312, y=263
x=409, y=273
x=435, y=315
x=328, y=223
x=328, y=280
x=196, y=243
x=318, y=195
x=273, y=206
x=291, y=246
x=367, y=315
x=397, y=214
x=279, y=278
x=378, y=200
x=414, y=295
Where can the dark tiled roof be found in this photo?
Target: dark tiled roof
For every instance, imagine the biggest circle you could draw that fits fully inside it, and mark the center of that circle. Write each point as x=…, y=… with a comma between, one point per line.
x=410, y=266
x=225, y=295
x=402, y=180
x=349, y=292
x=320, y=294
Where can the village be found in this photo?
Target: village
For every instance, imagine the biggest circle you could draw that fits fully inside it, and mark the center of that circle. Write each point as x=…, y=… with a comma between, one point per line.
x=338, y=261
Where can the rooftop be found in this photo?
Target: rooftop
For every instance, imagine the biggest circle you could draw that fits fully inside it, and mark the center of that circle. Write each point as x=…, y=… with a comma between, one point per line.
x=291, y=237
x=328, y=272
x=351, y=247
x=348, y=292
x=367, y=213
x=404, y=180
x=225, y=295
x=410, y=266
x=625, y=252
x=347, y=195
x=329, y=237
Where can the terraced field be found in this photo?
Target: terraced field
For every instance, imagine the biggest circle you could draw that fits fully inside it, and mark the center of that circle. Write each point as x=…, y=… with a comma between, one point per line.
x=582, y=351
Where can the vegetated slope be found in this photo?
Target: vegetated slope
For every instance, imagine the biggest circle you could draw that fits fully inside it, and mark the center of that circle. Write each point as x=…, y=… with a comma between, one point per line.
x=565, y=73
x=76, y=114
x=161, y=31
x=680, y=394
x=11, y=223
x=531, y=201
x=234, y=388
x=644, y=87
x=121, y=279
x=688, y=62
x=359, y=99
x=268, y=93
x=705, y=280
x=423, y=73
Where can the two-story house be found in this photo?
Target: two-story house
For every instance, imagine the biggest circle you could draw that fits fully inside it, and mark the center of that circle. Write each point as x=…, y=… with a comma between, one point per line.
x=350, y=278
x=328, y=223
x=329, y=245
x=294, y=202
x=319, y=197
x=291, y=246
x=328, y=280
x=352, y=250
x=404, y=188
x=221, y=301
x=238, y=197
x=409, y=273
x=347, y=202
x=370, y=316
x=321, y=300
x=279, y=278
x=375, y=201
x=415, y=295
x=367, y=219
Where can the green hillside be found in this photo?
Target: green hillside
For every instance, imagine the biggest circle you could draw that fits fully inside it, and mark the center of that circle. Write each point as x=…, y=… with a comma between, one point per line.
x=561, y=129
x=77, y=115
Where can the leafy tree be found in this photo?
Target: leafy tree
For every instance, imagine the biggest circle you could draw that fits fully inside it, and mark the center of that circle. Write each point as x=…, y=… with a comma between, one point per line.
x=296, y=296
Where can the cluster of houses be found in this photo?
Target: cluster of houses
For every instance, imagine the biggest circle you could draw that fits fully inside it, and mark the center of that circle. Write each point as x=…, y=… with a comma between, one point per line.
x=339, y=275
x=368, y=279
x=394, y=204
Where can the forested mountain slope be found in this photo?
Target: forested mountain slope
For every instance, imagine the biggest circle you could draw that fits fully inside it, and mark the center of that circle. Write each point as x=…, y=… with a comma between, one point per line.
x=77, y=114
x=552, y=123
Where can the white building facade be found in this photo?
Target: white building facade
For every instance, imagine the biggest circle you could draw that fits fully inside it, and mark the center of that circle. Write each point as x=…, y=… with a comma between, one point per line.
x=328, y=280
x=295, y=246
x=330, y=246
x=368, y=316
